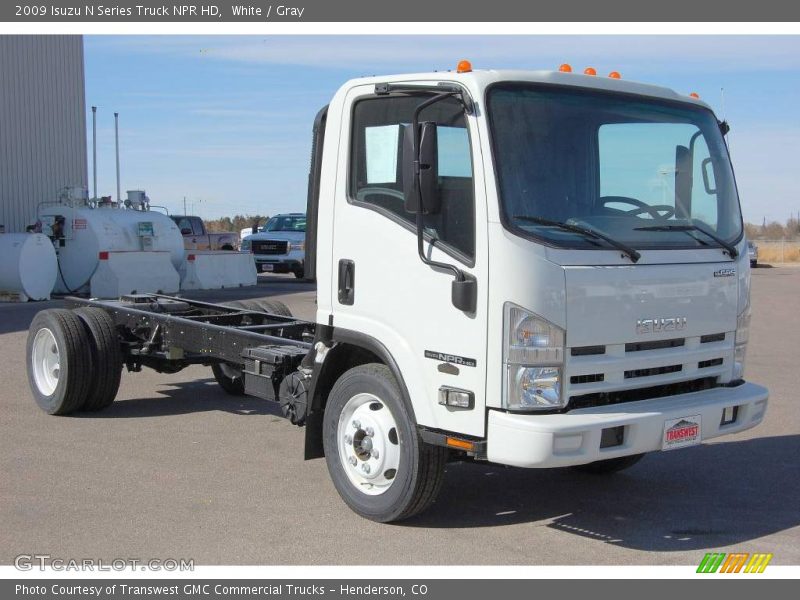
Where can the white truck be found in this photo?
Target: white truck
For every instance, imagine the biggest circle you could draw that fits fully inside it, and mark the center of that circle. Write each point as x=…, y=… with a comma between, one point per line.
x=538, y=269
x=279, y=247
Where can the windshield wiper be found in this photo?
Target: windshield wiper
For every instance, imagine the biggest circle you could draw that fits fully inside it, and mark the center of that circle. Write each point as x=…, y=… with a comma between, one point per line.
x=729, y=248
x=592, y=233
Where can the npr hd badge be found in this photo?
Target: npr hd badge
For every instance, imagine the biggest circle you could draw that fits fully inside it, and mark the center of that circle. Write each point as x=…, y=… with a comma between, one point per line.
x=451, y=358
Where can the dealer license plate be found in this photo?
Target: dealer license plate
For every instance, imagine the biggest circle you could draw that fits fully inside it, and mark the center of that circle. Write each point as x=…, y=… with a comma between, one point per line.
x=681, y=433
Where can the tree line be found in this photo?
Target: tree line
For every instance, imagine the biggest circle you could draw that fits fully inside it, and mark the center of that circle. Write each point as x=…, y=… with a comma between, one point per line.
x=773, y=230
x=236, y=223
x=766, y=231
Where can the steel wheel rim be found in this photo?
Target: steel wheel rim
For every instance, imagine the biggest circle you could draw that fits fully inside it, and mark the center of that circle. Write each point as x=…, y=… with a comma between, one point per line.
x=46, y=362
x=368, y=441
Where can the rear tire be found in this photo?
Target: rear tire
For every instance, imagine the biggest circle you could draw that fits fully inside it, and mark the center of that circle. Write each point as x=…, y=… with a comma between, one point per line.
x=59, y=361
x=378, y=463
x=229, y=378
x=611, y=465
x=106, y=357
x=275, y=307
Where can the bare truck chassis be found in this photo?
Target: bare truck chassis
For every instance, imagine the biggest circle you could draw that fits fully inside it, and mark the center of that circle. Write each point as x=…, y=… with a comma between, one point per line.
x=254, y=347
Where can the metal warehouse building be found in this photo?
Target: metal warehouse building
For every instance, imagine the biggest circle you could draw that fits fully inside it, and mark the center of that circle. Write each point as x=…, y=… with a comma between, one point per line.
x=42, y=123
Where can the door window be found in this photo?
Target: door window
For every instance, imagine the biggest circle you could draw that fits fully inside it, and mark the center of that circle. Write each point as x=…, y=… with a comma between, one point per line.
x=376, y=178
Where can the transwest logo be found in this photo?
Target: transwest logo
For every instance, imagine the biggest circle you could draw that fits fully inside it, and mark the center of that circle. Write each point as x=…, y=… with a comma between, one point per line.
x=740, y=562
x=682, y=431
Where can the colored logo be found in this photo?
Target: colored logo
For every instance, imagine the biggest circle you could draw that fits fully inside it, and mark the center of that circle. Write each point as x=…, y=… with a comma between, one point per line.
x=682, y=431
x=737, y=562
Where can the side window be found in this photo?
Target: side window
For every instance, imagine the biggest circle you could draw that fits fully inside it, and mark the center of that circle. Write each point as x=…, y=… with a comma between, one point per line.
x=184, y=224
x=376, y=177
x=197, y=225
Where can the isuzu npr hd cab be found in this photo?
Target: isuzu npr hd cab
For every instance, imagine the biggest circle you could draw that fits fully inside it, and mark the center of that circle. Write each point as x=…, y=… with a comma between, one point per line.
x=538, y=269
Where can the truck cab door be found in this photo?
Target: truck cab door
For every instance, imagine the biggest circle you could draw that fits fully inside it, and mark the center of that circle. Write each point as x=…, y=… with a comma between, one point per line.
x=380, y=287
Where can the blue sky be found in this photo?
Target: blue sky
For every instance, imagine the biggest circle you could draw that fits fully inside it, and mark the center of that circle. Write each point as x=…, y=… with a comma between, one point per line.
x=226, y=120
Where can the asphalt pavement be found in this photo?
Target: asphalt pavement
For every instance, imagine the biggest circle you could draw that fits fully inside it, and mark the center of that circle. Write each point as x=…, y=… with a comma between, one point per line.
x=178, y=469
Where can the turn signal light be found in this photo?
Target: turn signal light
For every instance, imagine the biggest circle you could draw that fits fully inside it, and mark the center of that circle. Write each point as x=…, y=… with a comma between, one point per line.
x=695, y=95
x=460, y=444
x=615, y=75
x=565, y=68
x=590, y=71
x=464, y=66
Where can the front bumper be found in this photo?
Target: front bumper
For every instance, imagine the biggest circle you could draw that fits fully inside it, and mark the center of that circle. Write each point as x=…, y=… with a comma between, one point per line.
x=573, y=438
x=281, y=263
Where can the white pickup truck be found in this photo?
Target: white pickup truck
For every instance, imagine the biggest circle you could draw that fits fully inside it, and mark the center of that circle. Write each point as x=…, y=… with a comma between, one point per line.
x=539, y=269
x=279, y=246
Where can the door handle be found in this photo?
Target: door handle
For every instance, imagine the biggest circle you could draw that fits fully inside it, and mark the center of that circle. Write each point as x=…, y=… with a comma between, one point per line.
x=347, y=280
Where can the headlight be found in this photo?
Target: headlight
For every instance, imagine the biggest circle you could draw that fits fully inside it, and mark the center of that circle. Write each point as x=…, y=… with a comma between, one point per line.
x=533, y=356
x=740, y=346
x=246, y=245
x=297, y=245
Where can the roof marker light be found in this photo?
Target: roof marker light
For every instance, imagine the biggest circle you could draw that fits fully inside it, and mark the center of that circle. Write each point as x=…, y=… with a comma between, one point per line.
x=590, y=71
x=695, y=95
x=565, y=68
x=614, y=75
x=464, y=66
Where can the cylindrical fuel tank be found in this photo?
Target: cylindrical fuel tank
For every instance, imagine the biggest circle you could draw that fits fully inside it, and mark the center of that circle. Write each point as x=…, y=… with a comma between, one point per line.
x=27, y=265
x=86, y=231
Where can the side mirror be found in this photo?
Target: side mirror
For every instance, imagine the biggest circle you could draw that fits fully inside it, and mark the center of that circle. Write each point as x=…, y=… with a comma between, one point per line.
x=421, y=170
x=707, y=179
x=186, y=231
x=464, y=294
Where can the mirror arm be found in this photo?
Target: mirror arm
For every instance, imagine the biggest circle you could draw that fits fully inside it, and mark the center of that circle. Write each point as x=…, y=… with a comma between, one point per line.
x=458, y=273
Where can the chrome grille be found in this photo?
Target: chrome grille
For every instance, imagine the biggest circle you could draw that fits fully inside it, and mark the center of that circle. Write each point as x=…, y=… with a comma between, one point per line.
x=271, y=247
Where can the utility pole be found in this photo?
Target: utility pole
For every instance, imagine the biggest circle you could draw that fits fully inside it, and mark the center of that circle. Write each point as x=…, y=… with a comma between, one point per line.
x=116, y=143
x=184, y=205
x=94, y=149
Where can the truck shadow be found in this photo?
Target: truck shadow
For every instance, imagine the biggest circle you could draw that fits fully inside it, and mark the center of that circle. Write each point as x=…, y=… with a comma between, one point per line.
x=181, y=398
x=706, y=497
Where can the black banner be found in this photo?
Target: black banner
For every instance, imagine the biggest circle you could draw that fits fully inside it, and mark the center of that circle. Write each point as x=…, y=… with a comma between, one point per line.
x=406, y=11
x=369, y=589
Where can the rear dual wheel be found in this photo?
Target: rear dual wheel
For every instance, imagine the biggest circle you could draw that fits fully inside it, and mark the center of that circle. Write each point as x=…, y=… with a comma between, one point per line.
x=74, y=360
x=228, y=375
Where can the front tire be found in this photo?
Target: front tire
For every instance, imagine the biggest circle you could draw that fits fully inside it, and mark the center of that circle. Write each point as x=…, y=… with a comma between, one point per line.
x=611, y=465
x=59, y=361
x=377, y=461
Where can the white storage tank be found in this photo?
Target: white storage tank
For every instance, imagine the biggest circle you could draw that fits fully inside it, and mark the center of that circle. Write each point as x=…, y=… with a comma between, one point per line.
x=82, y=232
x=28, y=267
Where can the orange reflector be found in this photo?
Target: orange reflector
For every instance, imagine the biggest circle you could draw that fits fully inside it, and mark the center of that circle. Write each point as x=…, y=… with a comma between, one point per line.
x=460, y=444
x=695, y=95
x=565, y=68
x=464, y=66
x=615, y=75
x=590, y=71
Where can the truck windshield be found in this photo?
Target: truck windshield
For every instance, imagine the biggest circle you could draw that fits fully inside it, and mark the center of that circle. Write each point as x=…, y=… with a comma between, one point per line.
x=625, y=166
x=286, y=223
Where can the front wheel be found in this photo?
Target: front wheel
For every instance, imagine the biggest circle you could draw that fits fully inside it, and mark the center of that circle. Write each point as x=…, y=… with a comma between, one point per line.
x=377, y=461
